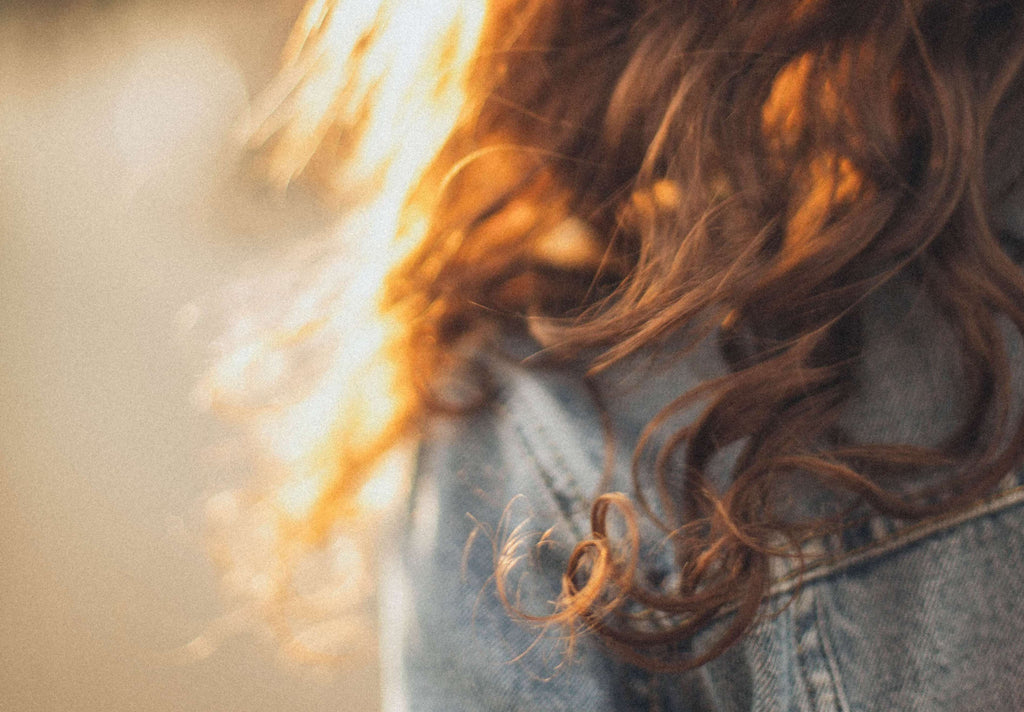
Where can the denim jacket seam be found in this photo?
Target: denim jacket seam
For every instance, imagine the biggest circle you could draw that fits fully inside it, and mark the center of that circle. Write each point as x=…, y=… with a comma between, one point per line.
x=832, y=663
x=561, y=499
x=552, y=469
x=816, y=662
x=828, y=563
x=807, y=648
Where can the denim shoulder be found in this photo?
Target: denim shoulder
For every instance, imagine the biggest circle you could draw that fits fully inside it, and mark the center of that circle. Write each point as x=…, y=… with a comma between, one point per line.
x=510, y=481
x=885, y=615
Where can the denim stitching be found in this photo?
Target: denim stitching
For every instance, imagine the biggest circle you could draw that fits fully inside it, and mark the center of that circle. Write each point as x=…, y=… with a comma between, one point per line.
x=524, y=447
x=842, y=704
x=559, y=478
x=840, y=558
x=810, y=658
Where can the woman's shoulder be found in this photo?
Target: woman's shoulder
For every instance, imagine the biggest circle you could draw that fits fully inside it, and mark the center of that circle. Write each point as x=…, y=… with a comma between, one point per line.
x=555, y=437
x=884, y=614
x=489, y=486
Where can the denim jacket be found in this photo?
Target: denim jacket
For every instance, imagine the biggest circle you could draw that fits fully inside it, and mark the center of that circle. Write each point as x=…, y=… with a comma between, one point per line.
x=891, y=615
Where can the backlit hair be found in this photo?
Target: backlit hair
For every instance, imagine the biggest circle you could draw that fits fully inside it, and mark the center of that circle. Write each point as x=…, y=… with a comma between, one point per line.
x=603, y=176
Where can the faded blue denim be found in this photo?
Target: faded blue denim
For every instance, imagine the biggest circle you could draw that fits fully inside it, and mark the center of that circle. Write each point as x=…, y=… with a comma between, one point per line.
x=925, y=615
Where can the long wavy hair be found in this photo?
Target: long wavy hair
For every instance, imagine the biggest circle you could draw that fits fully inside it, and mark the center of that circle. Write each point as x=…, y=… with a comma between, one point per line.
x=610, y=175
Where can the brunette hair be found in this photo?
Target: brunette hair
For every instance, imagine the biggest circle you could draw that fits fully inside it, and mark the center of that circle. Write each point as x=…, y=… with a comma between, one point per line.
x=622, y=173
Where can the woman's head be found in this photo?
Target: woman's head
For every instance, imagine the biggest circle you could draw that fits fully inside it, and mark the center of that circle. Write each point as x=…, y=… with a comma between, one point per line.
x=606, y=175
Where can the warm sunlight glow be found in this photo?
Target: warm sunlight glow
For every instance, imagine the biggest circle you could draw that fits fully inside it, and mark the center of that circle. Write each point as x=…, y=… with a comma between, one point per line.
x=368, y=93
x=402, y=64
x=388, y=484
x=297, y=496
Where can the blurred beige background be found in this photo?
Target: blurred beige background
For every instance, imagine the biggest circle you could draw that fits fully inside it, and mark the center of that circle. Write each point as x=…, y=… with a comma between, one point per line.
x=120, y=203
